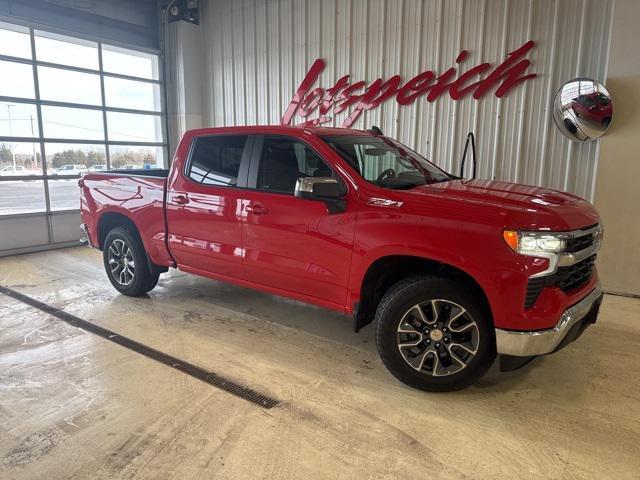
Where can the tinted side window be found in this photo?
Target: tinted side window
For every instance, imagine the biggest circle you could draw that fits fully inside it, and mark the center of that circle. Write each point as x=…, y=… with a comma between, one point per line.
x=284, y=160
x=216, y=160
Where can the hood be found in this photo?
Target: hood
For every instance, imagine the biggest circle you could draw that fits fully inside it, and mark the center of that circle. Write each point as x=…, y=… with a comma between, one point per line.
x=518, y=206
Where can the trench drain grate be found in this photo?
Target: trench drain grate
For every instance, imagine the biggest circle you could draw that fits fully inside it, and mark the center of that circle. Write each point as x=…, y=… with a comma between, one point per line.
x=186, y=367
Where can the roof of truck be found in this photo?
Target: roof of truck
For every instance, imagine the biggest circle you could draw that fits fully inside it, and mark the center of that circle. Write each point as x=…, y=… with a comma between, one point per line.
x=266, y=129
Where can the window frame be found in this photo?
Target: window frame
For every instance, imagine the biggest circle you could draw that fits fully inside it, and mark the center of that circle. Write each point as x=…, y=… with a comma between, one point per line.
x=245, y=160
x=41, y=140
x=256, y=160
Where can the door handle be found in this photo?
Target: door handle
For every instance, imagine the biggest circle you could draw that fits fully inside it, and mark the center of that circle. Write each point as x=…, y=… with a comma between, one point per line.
x=180, y=199
x=256, y=209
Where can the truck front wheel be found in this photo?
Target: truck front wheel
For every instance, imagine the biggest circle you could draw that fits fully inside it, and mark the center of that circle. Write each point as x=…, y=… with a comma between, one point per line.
x=434, y=334
x=125, y=261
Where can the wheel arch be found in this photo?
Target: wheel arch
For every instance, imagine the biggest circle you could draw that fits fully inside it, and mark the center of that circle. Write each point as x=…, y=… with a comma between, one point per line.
x=110, y=220
x=386, y=270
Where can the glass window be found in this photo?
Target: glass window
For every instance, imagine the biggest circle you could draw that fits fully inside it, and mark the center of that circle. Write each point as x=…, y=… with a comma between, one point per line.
x=16, y=80
x=64, y=194
x=22, y=196
x=72, y=123
x=55, y=48
x=129, y=62
x=73, y=138
x=386, y=163
x=14, y=41
x=20, y=158
x=70, y=158
x=284, y=160
x=135, y=157
x=18, y=120
x=122, y=93
x=68, y=86
x=216, y=160
x=131, y=127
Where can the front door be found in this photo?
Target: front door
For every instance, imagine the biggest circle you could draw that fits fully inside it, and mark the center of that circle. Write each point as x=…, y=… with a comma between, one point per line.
x=204, y=203
x=290, y=243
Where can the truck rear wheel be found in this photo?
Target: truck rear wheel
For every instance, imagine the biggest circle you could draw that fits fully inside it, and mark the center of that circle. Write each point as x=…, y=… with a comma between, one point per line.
x=434, y=334
x=126, y=264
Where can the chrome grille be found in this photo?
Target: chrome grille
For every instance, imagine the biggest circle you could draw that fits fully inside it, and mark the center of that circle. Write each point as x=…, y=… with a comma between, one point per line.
x=568, y=278
x=579, y=243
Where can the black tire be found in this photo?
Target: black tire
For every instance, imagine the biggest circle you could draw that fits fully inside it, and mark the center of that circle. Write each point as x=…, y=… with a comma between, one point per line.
x=142, y=280
x=429, y=371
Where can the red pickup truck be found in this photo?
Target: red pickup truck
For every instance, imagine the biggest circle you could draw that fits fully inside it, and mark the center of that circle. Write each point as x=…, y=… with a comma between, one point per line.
x=452, y=271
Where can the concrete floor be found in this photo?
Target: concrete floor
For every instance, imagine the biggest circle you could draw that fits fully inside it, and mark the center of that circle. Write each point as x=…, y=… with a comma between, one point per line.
x=76, y=406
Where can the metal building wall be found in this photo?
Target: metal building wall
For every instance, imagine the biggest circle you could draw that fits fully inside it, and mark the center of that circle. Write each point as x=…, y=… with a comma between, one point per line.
x=256, y=52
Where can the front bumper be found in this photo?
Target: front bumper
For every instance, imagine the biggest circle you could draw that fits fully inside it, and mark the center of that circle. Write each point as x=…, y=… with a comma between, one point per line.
x=539, y=342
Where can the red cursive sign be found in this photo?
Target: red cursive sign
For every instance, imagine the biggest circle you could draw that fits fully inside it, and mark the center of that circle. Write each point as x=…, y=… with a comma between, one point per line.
x=362, y=97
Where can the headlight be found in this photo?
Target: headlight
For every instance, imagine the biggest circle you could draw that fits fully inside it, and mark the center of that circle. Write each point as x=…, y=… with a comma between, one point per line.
x=533, y=243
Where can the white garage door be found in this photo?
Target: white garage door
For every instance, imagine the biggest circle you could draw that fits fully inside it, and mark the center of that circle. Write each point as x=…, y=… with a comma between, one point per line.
x=68, y=106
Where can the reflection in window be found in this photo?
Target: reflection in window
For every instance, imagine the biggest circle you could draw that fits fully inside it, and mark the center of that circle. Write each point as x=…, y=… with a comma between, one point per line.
x=68, y=86
x=122, y=93
x=72, y=155
x=129, y=62
x=54, y=48
x=16, y=80
x=216, y=160
x=134, y=157
x=20, y=158
x=14, y=41
x=131, y=127
x=18, y=120
x=72, y=123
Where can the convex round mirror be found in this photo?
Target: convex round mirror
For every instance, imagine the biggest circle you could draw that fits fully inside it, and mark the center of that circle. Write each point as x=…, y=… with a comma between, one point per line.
x=582, y=109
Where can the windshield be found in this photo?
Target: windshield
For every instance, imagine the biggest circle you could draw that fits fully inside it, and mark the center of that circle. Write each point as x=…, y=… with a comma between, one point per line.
x=386, y=163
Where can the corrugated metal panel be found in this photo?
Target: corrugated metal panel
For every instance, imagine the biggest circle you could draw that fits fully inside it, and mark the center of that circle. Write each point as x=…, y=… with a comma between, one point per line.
x=258, y=51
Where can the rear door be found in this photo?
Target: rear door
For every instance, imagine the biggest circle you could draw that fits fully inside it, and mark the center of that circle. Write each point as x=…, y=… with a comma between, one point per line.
x=204, y=202
x=290, y=243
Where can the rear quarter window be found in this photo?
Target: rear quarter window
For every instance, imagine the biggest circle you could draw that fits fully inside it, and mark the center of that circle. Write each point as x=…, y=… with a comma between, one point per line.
x=215, y=160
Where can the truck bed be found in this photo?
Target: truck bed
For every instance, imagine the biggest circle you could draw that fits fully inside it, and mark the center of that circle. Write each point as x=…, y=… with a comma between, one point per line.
x=138, y=195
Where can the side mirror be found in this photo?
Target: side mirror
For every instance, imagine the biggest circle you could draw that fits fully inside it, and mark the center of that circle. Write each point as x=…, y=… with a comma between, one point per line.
x=323, y=189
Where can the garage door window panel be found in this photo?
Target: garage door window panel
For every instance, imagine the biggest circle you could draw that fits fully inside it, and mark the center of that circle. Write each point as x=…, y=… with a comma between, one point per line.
x=19, y=159
x=72, y=123
x=18, y=120
x=132, y=127
x=63, y=194
x=16, y=80
x=131, y=94
x=74, y=158
x=132, y=157
x=21, y=196
x=123, y=61
x=63, y=50
x=60, y=85
x=15, y=41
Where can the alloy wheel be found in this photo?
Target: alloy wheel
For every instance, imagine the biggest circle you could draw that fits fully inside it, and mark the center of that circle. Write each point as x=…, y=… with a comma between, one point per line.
x=438, y=337
x=121, y=263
